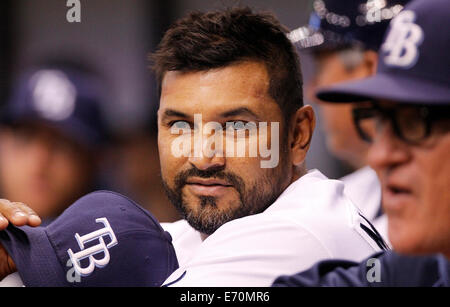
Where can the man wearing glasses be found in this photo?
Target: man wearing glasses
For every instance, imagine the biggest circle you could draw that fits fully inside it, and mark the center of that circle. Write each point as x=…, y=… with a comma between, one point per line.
x=343, y=39
x=405, y=117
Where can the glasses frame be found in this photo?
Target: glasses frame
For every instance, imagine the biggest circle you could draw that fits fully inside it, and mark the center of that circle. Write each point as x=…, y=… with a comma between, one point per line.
x=427, y=115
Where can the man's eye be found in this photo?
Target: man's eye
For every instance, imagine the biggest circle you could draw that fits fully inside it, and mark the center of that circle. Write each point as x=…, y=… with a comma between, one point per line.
x=236, y=125
x=179, y=124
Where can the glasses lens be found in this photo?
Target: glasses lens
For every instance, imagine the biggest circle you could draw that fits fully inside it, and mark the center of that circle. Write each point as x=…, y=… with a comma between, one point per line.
x=411, y=123
x=365, y=121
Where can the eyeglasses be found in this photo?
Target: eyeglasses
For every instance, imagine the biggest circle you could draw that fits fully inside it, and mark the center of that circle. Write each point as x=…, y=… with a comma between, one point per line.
x=410, y=123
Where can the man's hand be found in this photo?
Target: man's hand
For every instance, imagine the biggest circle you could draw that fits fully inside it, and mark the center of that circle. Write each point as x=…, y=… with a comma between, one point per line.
x=17, y=214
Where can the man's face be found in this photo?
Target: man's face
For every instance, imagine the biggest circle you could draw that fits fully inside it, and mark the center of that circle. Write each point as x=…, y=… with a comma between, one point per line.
x=212, y=190
x=415, y=183
x=336, y=119
x=41, y=168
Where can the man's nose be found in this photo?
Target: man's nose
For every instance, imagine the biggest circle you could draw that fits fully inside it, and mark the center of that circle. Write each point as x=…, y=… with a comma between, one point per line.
x=206, y=154
x=387, y=150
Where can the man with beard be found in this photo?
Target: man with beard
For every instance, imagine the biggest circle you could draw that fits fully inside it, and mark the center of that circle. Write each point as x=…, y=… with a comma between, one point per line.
x=243, y=222
x=247, y=217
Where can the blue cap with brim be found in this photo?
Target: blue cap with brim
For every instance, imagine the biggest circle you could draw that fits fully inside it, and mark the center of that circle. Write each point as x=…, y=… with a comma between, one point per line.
x=103, y=239
x=66, y=99
x=414, y=62
x=337, y=24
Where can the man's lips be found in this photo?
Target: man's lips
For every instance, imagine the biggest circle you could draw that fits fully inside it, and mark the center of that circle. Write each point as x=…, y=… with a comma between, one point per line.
x=397, y=184
x=208, y=187
x=207, y=182
x=396, y=196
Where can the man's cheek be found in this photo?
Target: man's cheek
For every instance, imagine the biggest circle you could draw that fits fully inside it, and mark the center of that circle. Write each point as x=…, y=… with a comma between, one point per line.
x=165, y=170
x=165, y=153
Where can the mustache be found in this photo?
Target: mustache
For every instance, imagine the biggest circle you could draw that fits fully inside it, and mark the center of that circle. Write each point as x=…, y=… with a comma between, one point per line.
x=216, y=173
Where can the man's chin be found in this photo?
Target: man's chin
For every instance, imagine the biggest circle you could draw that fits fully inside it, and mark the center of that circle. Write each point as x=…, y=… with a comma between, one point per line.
x=207, y=218
x=407, y=238
x=206, y=227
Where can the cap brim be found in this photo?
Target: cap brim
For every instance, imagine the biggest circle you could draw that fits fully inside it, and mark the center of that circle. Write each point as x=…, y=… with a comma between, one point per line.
x=73, y=129
x=33, y=256
x=384, y=86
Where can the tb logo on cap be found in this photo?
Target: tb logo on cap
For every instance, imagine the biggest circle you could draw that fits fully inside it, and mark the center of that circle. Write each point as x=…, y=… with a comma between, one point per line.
x=89, y=252
x=403, y=40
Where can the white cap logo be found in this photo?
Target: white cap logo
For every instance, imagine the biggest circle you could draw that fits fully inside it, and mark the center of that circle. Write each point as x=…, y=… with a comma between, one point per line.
x=90, y=252
x=53, y=94
x=403, y=40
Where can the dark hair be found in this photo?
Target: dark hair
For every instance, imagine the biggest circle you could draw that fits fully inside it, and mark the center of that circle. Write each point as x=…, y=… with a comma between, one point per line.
x=203, y=41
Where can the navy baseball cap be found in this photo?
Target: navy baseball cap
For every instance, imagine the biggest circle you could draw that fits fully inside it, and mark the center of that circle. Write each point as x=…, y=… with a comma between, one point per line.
x=66, y=98
x=103, y=239
x=337, y=24
x=414, y=60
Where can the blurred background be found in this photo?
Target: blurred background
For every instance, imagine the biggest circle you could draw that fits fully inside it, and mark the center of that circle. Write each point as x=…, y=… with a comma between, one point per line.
x=113, y=40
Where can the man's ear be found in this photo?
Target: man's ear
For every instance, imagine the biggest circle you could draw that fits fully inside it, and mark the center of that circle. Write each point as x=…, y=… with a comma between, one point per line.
x=301, y=131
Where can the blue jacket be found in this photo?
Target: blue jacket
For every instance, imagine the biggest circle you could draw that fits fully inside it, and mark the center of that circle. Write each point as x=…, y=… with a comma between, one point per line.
x=386, y=269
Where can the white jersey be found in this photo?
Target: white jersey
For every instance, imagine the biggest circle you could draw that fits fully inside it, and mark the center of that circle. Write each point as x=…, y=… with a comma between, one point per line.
x=363, y=188
x=312, y=220
x=12, y=280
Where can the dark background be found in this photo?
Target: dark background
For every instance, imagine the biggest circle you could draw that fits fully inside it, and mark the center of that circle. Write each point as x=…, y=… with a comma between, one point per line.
x=115, y=36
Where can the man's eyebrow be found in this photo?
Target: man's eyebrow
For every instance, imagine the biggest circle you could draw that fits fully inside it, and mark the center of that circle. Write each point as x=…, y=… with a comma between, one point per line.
x=239, y=111
x=174, y=113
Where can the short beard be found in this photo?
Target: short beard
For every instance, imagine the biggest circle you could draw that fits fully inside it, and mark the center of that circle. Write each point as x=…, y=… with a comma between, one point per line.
x=253, y=200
